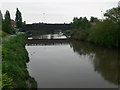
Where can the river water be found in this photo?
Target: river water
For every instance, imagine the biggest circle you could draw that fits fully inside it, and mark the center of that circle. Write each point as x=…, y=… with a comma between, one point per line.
x=72, y=64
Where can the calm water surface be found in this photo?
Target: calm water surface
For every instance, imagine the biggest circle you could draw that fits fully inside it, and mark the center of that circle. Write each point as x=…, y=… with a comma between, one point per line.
x=72, y=65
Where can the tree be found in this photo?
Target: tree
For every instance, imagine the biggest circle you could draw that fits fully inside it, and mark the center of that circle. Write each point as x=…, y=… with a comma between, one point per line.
x=94, y=19
x=6, y=23
x=1, y=20
x=24, y=22
x=81, y=23
x=18, y=19
x=113, y=14
x=85, y=23
x=6, y=26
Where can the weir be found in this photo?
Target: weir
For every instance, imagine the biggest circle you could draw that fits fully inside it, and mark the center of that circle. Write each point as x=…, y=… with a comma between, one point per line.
x=36, y=42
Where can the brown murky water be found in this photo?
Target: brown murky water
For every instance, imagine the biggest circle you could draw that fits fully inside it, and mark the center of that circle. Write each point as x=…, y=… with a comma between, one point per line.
x=72, y=65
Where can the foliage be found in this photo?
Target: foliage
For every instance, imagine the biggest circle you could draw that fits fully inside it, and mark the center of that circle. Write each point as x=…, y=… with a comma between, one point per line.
x=94, y=19
x=113, y=14
x=80, y=23
x=18, y=19
x=6, y=82
x=68, y=32
x=14, y=58
x=1, y=17
x=106, y=32
x=82, y=34
x=6, y=22
x=6, y=26
x=1, y=20
x=4, y=34
x=34, y=83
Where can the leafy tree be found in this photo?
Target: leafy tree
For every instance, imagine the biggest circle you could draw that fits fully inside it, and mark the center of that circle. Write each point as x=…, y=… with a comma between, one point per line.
x=80, y=23
x=113, y=14
x=24, y=22
x=75, y=23
x=6, y=23
x=6, y=26
x=18, y=19
x=94, y=19
x=85, y=23
x=106, y=32
x=1, y=20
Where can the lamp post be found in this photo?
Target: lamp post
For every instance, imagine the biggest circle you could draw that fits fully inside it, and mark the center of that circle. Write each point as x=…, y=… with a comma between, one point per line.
x=43, y=17
x=102, y=15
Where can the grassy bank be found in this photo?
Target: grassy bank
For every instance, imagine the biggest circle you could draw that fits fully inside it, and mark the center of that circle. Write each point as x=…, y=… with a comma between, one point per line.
x=14, y=59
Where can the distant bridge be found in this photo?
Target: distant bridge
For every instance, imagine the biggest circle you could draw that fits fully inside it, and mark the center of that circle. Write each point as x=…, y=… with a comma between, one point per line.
x=37, y=42
x=45, y=26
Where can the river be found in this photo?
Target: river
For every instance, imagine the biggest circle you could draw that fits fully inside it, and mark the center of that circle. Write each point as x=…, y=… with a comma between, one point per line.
x=71, y=64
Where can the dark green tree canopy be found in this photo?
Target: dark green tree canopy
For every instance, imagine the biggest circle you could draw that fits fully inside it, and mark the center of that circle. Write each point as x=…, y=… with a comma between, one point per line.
x=7, y=17
x=94, y=19
x=1, y=20
x=1, y=17
x=18, y=19
x=113, y=14
x=6, y=26
x=80, y=23
x=7, y=23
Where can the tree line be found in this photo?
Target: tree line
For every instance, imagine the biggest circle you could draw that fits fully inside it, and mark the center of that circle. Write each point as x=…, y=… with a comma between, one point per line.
x=100, y=31
x=6, y=22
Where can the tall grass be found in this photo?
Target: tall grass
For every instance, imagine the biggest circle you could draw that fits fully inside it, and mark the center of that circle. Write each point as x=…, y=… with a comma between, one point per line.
x=14, y=59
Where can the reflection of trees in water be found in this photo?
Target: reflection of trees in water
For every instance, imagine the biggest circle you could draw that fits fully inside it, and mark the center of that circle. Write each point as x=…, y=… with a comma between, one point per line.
x=105, y=60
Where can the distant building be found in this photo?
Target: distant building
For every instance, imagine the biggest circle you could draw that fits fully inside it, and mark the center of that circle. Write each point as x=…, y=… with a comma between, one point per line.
x=13, y=23
x=93, y=23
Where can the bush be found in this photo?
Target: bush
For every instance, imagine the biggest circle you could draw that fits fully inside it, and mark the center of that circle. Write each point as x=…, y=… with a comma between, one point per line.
x=105, y=33
x=6, y=82
x=2, y=34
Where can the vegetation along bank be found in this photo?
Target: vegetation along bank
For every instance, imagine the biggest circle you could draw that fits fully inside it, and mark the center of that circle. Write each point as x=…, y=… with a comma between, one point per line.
x=14, y=59
x=104, y=32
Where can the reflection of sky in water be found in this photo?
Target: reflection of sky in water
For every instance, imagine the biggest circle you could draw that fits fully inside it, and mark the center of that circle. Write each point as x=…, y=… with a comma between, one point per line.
x=49, y=36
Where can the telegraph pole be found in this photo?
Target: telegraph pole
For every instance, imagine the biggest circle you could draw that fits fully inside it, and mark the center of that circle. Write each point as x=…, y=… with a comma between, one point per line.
x=43, y=17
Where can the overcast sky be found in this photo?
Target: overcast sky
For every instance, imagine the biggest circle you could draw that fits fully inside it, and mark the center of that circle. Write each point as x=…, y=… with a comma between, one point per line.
x=56, y=11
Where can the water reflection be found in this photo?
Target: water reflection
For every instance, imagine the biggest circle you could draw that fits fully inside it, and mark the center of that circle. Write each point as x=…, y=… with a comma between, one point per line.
x=48, y=36
x=60, y=63
x=37, y=42
x=105, y=60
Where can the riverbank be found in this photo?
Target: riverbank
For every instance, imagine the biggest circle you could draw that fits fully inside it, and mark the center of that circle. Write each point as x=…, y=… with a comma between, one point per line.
x=100, y=35
x=14, y=59
x=104, y=32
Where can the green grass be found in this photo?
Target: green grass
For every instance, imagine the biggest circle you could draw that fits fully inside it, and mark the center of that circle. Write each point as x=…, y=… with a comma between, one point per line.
x=14, y=59
x=2, y=34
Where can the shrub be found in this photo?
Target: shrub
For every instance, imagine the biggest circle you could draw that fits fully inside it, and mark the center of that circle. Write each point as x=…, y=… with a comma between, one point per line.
x=6, y=82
